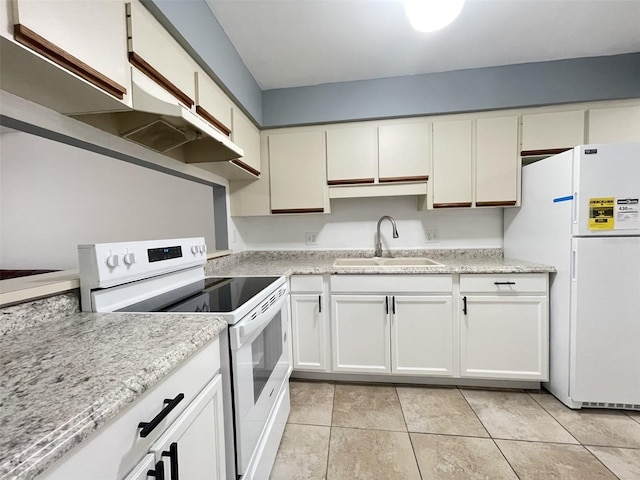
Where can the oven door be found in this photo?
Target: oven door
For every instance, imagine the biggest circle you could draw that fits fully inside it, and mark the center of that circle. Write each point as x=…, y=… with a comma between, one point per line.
x=260, y=365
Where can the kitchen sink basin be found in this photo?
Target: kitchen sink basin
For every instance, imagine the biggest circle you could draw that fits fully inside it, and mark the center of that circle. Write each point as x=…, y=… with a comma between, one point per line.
x=386, y=262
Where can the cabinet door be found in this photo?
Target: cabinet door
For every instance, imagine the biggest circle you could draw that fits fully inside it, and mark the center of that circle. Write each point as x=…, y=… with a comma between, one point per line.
x=422, y=335
x=505, y=337
x=297, y=172
x=139, y=472
x=352, y=155
x=247, y=136
x=552, y=131
x=194, y=444
x=452, y=164
x=212, y=104
x=360, y=333
x=611, y=125
x=154, y=51
x=87, y=38
x=497, y=161
x=403, y=153
x=308, y=329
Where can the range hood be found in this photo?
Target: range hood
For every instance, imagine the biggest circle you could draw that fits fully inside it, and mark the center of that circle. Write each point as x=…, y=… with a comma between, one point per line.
x=159, y=122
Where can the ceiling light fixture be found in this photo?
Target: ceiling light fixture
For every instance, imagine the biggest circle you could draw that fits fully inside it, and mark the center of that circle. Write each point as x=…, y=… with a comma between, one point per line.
x=432, y=15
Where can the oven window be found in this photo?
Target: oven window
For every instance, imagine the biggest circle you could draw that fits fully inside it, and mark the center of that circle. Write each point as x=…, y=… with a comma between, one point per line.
x=266, y=350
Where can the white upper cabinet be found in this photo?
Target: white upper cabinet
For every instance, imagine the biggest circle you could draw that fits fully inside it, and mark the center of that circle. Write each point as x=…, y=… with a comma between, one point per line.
x=297, y=168
x=452, y=163
x=212, y=104
x=611, y=125
x=352, y=155
x=247, y=136
x=70, y=56
x=552, y=131
x=497, y=161
x=403, y=152
x=154, y=51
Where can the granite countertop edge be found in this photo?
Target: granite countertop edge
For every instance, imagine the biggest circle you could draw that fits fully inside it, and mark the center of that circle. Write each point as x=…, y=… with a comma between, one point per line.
x=44, y=453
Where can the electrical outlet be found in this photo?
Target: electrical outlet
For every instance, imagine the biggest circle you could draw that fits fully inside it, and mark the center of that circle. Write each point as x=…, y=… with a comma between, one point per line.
x=311, y=238
x=431, y=235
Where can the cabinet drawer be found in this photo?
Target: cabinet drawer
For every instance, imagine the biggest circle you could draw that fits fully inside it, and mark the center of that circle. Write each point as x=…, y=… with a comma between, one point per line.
x=391, y=283
x=306, y=283
x=504, y=283
x=116, y=448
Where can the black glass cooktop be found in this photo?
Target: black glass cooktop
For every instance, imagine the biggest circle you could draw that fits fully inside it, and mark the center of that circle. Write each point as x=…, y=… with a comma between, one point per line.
x=212, y=294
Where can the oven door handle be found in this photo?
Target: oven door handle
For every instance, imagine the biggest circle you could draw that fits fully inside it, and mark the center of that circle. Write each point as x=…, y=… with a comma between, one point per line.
x=261, y=321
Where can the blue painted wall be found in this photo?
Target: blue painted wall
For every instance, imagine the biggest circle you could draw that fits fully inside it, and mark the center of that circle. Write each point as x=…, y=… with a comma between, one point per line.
x=525, y=85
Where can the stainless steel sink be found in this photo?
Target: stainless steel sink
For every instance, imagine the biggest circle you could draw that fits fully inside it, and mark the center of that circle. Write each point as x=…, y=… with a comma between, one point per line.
x=386, y=262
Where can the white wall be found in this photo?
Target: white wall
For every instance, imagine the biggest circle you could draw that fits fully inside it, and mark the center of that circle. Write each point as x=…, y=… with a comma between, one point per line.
x=55, y=196
x=352, y=225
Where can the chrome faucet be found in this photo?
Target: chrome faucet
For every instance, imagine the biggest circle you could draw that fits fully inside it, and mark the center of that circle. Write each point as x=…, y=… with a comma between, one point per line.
x=378, y=252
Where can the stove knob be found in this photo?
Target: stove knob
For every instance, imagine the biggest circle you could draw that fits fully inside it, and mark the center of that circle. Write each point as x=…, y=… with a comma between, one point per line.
x=129, y=258
x=194, y=249
x=113, y=260
x=203, y=248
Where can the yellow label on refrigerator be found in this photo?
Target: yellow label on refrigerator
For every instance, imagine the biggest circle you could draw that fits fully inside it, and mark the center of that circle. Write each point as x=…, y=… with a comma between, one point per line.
x=601, y=213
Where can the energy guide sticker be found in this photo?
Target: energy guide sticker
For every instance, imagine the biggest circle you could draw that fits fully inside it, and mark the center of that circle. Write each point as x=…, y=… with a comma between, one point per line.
x=601, y=213
x=627, y=213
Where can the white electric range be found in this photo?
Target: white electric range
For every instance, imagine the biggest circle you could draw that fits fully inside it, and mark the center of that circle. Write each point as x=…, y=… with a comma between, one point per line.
x=167, y=276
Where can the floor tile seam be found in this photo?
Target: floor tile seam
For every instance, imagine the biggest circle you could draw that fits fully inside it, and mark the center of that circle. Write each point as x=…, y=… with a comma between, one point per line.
x=600, y=462
x=415, y=456
x=474, y=412
x=377, y=429
x=333, y=409
x=309, y=424
x=506, y=459
x=543, y=442
x=404, y=417
x=553, y=416
x=450, y=435
x=610, y=446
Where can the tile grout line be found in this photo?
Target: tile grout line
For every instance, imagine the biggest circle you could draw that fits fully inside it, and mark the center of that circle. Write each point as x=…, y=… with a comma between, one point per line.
x=333, y=408
x=554, y=418
x=406, y=425
x=488, y=433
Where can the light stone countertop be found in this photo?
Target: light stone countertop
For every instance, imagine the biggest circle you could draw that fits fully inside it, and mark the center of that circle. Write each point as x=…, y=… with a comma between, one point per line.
x=63, y=380
x=321, y=262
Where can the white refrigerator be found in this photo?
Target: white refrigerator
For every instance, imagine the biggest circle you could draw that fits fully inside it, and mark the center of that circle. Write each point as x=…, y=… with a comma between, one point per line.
x=581, y=213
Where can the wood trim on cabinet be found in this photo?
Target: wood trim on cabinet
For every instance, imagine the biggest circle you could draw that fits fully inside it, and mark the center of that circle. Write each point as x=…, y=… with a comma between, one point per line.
x=44, y=47
x=351, y=181
x=213, y=120
x=246, y=167
x=137, y=61
x=537, y=153
x=298, y=210
x=509, y=203
x=452, y=205
x=423, y=178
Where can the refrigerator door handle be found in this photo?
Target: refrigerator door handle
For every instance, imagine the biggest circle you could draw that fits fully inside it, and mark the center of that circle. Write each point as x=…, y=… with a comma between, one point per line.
x=574, y=269
x=574, y=209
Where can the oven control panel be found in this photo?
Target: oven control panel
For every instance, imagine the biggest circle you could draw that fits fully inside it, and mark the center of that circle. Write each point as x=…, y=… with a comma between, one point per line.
x=109, y=264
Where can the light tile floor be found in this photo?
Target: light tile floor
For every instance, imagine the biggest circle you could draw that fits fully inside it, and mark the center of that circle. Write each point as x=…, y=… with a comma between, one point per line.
x=348, y=432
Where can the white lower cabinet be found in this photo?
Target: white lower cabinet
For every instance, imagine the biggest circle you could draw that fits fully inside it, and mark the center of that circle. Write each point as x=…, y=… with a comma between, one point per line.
x=504, y=327
x=403, y=326
x=422, y=335
x=192, y=448
x=361, y=333
x=176, y=427
x=309, y=323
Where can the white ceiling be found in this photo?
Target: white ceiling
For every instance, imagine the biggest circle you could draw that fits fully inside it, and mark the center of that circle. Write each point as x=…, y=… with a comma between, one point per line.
x=288, y=43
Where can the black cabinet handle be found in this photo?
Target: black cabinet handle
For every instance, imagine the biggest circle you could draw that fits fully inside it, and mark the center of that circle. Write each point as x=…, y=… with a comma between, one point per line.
x=319, y=303
x=158, y=472
x=464, y=305
x=172, y=453
x=504, y=283
x=386, y=305
x=393, y=304
x=147, y=427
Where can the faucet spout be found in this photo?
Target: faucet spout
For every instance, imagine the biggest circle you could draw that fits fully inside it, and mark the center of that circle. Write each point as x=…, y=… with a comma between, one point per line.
x=378, y=251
